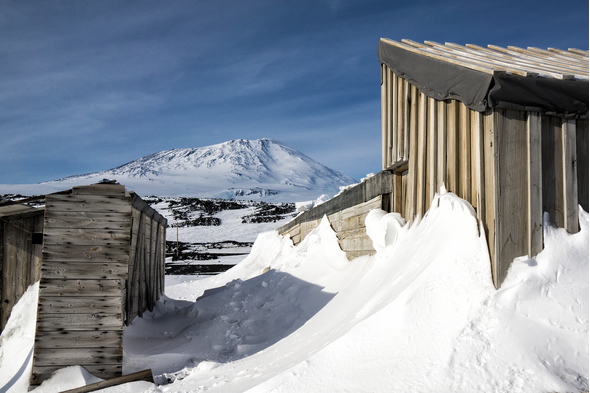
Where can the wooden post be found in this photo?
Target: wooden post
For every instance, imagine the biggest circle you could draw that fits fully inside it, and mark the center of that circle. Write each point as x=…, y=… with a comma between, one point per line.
x=432, y=148
x=570, y=176
x=535, y=184
x=478, y=130
x=442, y=145
x=421, y=156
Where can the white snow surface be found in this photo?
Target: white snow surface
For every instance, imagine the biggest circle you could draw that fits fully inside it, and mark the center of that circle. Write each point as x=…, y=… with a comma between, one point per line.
x=421, y=315
x=260, y=169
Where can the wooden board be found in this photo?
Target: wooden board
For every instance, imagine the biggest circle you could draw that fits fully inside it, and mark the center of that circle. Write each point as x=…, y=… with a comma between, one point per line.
x=570, y=176
x=87, y=253
x=40, y=374
x=583, y=162
x=87, y=220
x=553, y=181
x=62, y=322
x=79, y=288
x=84, y=270
x=535, y=184
x=79, y=356
x=88, y=203
x=80, y=339
x=79, y=305
x=87, y=237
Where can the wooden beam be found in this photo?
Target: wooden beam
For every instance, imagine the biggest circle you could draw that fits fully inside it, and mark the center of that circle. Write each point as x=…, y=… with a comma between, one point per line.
x=570, y=176
x=535, y=184
x=145, y=375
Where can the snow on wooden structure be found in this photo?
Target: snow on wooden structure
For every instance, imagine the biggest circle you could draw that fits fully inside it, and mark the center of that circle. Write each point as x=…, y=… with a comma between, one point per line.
x=100, y=260
x=504, y=128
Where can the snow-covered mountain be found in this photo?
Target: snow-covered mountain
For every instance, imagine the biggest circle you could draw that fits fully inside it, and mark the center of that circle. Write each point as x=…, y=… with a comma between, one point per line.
x=244, y=169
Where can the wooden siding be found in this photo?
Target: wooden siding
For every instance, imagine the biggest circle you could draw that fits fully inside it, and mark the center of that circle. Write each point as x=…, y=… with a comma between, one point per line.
x=510, y=165
x=80, y=292
x=20, y=259
x=102, y=265
x=349, y=225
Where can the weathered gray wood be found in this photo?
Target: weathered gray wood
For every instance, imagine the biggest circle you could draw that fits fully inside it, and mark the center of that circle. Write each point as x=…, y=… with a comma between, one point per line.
x=40, y=374
x=478, y=131
x=442, y=145
x=583, y=161
x=79, y=288
x=86, y=253
x=553, y=181
x=491, y=200
x=84, y=270
x=61, y=322
x=535, y=184
x=400, y=130
x=80, y=305
x=464, y=153
x=570, y=176
x=384, y=71
x=100, y=189
x=87, y=237
x=87, y=220
x=80, y=339
x=413, y=155
x=80, y=356
x=452, y=147
x=512, y=213
x=393, y=116
x=88, y=203
x=421, y=147
x=145, y=375
x=432, y=149
x=388, y=113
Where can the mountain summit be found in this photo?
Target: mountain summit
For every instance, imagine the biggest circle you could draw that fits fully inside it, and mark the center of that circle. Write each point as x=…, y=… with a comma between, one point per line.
x=245, y=169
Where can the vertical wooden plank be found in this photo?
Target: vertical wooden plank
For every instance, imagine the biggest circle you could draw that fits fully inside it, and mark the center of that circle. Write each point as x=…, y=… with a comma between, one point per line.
x=406, y=121
x=441, y=154
x=490, y=190
x=583, y=161
x=553, y=181
x=465, y=153
x=422, y=152
x=474, y=127
x=432, y=149
x=400, y=124
x=570, y=176
x=388, y=115
x=413, y=156
x=397, y=193
x=512, y=214
x=452, y=147
x=478, y=132
x=393, y=128
x=535, y=184
x=383, y=116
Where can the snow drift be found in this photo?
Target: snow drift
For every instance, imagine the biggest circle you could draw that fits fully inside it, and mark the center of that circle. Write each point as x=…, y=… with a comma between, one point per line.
x=421, y=315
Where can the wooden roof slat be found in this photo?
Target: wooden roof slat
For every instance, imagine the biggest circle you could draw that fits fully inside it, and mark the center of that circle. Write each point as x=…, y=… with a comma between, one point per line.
x=442, y=57
x=463, y=57
x=550, y=64
x=493, y=60
x=578, y=51
x=547, y=57
x=516, y=60
x=510, y=51
x=570, y=58
x=564, y=52
x=524, y=59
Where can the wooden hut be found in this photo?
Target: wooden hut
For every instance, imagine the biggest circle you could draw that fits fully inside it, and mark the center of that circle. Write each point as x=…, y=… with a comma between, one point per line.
x=504, y=128
x=99, y=253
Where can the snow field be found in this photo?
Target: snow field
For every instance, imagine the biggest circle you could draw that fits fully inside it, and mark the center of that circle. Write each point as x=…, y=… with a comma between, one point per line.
x=419, y=316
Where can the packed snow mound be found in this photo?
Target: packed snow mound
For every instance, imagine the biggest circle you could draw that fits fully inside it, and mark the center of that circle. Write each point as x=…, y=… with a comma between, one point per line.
x=242, y=169
x=421, y=315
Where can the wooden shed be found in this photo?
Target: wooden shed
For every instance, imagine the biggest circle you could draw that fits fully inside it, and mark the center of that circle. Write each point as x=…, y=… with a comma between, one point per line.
x=99, y=253
x=504, y=128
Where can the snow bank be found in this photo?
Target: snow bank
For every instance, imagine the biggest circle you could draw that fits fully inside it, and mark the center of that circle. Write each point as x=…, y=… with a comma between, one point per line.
x=421, y=315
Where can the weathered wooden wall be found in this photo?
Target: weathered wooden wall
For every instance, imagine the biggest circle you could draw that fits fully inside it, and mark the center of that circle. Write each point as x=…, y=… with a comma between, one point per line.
x=510, y=165
x=90, y=287
x=347, y=213
x=20, y=259
x=349, y=225
x=145, y=283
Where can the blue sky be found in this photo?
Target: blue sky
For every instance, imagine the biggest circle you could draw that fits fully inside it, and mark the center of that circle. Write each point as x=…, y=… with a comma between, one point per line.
x=89, y=85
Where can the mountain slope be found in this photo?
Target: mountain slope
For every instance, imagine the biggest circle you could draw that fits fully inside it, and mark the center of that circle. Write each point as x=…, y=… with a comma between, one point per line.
x=247, y=169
